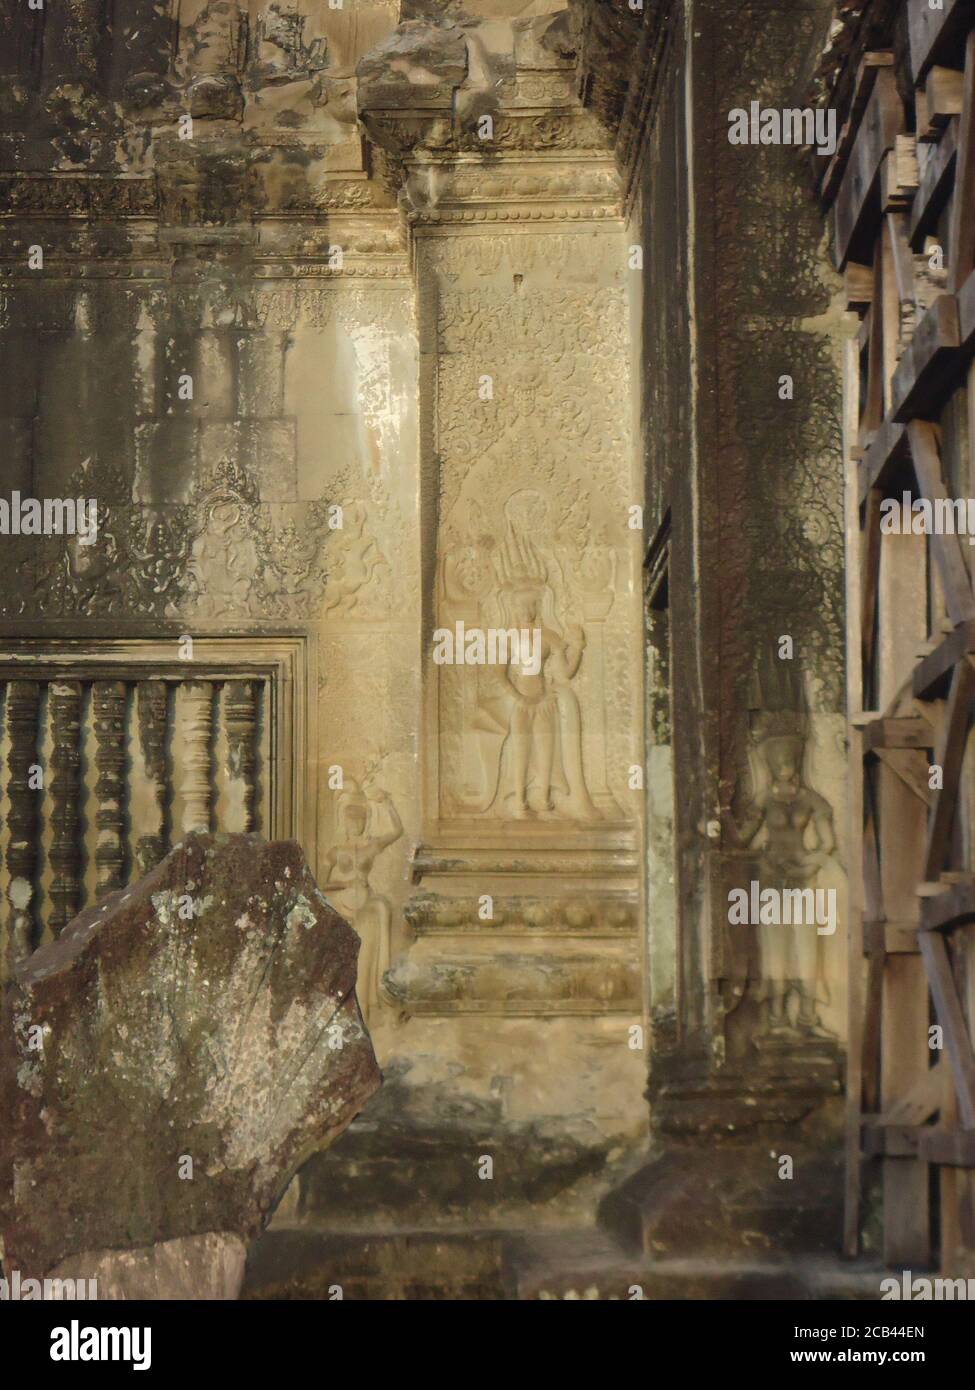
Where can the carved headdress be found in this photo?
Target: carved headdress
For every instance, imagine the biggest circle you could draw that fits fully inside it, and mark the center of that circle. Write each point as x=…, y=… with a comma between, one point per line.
x=777, y=699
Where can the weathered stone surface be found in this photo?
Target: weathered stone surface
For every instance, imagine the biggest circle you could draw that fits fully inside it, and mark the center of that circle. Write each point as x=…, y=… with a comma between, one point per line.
x=207, y=1013
x=418, y=64
x=209, y=1267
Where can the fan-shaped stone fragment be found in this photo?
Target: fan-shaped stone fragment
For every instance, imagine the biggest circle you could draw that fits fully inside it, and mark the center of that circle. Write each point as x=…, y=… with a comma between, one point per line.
x=168, y=1063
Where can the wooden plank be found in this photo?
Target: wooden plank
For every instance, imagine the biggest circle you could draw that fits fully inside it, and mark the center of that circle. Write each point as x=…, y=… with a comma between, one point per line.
x=934, y=186
x=946, y=549
x=912, y=732
x=890, y=1141
x=870, y=577
x=911, y=767
x=936, y=35
x=901, y=822
x=891, y=938
x=902, y=258
x=966, y=315
x=947, y=1006
x=929, y=369
x=862, y=91
x=872, y=1029
x=950, y=909
x=933, y=672
x=889, y=445
x=953, y=1147
x=873, y=895
x=890, y=300
x=961, y=236
x=857, y=892
x=858, y=286
x=920, y=1102
x=949, y=755
x=882, y=122
x=944, y=89
x=899, y=175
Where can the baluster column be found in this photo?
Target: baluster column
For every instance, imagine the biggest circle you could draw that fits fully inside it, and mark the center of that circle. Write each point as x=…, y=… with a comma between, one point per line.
x=65, y=701
x=108, y=706
x=197, y=717
x=23, y=713
x=152, y=712
x=240, y=711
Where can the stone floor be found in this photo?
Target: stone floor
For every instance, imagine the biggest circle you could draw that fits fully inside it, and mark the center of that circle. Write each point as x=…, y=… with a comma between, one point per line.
x=304, y=1263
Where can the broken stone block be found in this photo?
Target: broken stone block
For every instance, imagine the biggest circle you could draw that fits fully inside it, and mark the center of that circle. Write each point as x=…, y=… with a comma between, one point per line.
x=419, y=64
x=170, y=1061
x=206, y=1268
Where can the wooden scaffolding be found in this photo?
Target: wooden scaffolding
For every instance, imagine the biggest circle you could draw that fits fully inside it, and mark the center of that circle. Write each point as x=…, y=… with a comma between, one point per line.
x=901, y=191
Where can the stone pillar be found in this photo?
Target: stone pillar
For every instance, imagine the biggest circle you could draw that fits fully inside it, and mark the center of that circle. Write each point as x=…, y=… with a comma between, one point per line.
x=530, y=827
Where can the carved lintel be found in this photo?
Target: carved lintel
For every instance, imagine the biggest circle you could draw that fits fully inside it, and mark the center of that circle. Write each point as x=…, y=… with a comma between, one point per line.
x=521, y=983
x=608, y=914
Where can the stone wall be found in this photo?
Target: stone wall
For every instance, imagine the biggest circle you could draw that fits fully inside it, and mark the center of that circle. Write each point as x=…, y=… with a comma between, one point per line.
x=339, y=370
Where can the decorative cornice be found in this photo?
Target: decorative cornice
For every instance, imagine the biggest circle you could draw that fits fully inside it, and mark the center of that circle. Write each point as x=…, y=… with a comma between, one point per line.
x=622, y=58
x=77, y=195
x=472, y=131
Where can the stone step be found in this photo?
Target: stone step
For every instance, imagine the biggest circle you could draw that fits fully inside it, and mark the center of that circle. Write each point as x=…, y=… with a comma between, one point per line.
x=729, y=1202
x=588, y=1265
x=305, y=1263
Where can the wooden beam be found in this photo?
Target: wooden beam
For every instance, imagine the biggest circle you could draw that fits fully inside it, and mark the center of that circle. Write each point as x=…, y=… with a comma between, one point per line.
x=954, y=1148
x=961, y=236
x=944, y=89
x=897, y=227
x=858, y=286
x=882, y=122
x=936, y=35
x=958, y=1045
x=889, y=1141
x=932, y=673
x=870, y=63
x=870, y=577
x=920, y=1102
x=890, y=938
x=949, y=755
x=889, y=445
x=911, y=766
x=966, y=315
x=855, y=800
x=913, y=732
x=899, y=175
x=950, y=909
x=934, y=186
x=929, y=369
x=959, y=599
